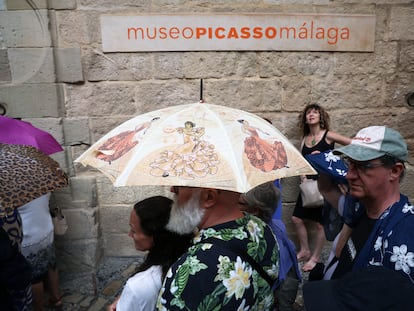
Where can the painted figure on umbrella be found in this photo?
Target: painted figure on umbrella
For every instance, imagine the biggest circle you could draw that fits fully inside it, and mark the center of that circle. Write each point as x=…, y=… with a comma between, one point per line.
x=194, y=158
x=118, y=145
x=261, y=153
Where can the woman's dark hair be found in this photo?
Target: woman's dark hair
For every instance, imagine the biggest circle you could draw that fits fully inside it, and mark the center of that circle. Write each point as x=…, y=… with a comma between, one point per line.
x=324, y=120
x=154, y=213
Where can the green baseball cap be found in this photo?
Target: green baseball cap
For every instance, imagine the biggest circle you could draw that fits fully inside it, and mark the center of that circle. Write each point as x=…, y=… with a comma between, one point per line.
x=373, y=142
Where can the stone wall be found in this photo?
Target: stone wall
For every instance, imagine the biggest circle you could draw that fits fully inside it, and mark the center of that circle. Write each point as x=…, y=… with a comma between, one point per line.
x=54, y=74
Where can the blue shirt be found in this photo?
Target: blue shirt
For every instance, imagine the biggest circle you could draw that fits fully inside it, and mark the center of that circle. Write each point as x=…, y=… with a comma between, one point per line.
x=287, y=251
x=391, y=242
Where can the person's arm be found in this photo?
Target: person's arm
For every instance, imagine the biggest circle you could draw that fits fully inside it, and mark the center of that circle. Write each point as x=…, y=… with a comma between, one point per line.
x=329, y=190
x=333, y=137
x=343, y=239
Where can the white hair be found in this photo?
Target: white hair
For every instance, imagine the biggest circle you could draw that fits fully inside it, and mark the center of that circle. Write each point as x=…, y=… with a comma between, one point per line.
x=186, y=217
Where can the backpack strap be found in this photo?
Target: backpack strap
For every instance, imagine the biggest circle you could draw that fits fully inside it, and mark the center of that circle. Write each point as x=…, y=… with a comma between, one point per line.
x=225, y=245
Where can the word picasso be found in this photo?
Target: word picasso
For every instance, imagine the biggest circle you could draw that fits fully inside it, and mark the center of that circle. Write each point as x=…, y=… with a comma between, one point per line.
x=305, y=32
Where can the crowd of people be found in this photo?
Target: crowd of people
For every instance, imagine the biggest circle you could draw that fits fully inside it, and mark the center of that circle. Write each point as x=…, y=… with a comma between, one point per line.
x=240, y=256
x=215, y=249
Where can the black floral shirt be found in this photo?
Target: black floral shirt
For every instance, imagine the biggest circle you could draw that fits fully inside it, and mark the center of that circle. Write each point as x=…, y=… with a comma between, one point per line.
x=210, y=277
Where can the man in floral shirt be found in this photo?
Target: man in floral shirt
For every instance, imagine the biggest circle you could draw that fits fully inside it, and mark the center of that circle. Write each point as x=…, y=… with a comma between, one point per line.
x=214, y=275
x=383, y=235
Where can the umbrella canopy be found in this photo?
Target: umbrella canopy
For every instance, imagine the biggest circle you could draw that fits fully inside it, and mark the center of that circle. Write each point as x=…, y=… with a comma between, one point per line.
x=198, y=145
x=19, y=132
x=26, y=174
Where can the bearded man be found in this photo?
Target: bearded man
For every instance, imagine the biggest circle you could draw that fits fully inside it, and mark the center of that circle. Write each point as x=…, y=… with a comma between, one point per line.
x=234, y=259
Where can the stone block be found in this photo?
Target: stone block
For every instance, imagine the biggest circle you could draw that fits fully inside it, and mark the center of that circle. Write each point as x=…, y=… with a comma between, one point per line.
x=252, y=95
x=113, y=287
x=204, y=65
x=118, y=66
x=73, y=298
x=406, y=57
x=99, y=126
x=86, y=301
x=294, y=64
x=341, y=91
x=78, y=27
x=98, y=100
x=51, y=125
x=382, y=61
x=296, y=91
x=68, y=65
x=119, y=245
x=127, y=195
x=24, y=4
x=99, y=304
x=78, y=255
x=63, y=199
x=60, y=157
x=83, y=189
x=32, y=100
x=397, y=86
x=402, y=23
x=32, y=65
x=62, y=4
x=158, y=94
x=5, y=71
x=128, y=272
x=76, y=131
x=407, y=184
x=82, y=224
x=108, y=4
x=115, y=218
x=28, y=28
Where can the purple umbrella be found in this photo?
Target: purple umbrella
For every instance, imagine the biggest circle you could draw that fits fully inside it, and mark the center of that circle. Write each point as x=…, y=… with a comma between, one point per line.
x=13, y=131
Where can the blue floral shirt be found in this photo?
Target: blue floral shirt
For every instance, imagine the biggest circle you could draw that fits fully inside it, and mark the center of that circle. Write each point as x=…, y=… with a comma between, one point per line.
x=391, y=242
x=210, y=277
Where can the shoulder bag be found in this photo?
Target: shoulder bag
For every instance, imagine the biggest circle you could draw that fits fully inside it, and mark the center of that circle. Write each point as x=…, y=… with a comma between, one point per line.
x=311, y=197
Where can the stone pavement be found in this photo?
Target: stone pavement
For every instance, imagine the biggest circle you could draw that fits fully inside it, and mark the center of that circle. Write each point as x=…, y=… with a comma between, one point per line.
x=95, y=291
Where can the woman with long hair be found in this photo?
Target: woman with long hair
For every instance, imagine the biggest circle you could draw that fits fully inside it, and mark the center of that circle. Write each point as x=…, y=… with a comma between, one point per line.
x=147, y=228
x=314, y=124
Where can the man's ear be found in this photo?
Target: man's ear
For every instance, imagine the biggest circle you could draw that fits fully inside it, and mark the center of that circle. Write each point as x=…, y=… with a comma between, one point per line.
x=209, y=197
x=397, y=170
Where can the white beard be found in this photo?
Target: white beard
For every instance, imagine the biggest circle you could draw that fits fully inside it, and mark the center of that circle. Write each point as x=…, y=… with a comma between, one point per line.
x=185, y=218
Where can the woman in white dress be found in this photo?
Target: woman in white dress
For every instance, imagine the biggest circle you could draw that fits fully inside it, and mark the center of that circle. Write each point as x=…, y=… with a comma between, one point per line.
x=38, y=249
x=147, y=228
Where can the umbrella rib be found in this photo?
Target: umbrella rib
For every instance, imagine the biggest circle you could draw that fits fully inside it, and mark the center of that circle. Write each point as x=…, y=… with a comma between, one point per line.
x=240, y=180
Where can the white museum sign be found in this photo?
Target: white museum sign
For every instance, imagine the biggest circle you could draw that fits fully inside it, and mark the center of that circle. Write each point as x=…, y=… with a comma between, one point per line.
x=241, y=32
